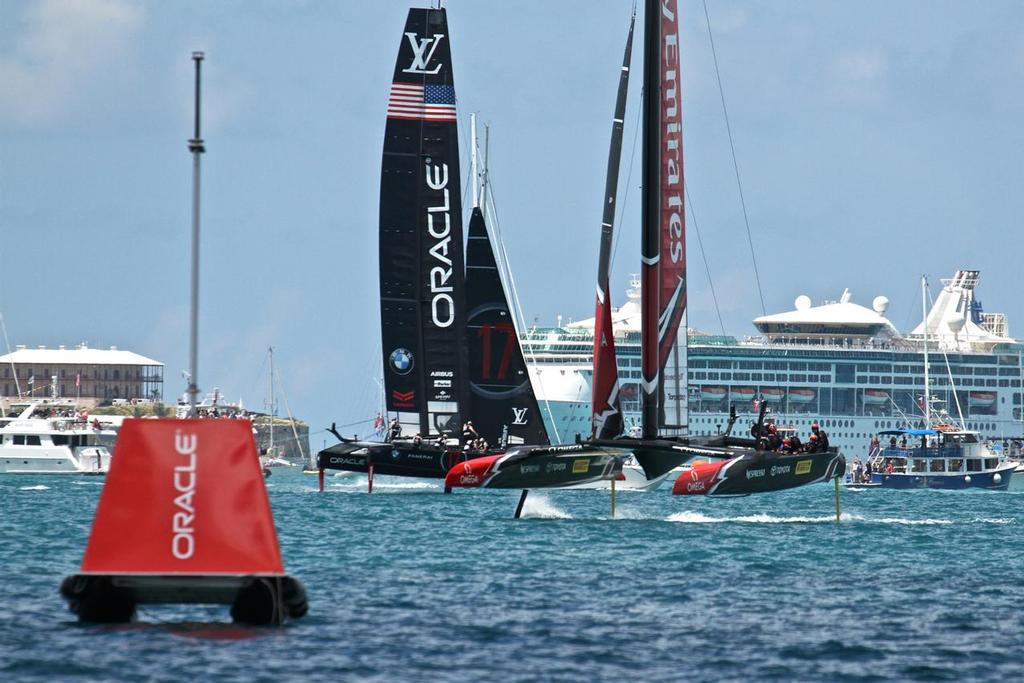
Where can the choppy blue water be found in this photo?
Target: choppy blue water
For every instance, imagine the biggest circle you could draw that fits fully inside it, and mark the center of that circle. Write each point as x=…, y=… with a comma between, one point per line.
x=409, y=584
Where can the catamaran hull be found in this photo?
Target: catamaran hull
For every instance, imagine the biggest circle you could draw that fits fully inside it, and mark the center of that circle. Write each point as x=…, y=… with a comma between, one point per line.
x=389, y=460
x=537, y=468
x=759, y=472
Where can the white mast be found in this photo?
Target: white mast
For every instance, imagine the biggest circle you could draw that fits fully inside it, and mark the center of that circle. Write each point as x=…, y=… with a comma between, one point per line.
x=483, y=180
x=14, y=368
x=270, y=451
x=196, y=147
x=472, y=159
x=927, y=390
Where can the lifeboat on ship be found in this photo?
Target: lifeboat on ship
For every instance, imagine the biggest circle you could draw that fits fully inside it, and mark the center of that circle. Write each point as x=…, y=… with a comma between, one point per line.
x=742, y=393
x=876, y=397
x=772, y=394
x=712, y=393
x=802, y=395
x=981, y=399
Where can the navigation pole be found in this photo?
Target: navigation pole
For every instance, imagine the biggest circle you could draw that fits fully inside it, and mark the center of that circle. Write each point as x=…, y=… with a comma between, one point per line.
x=195, y=146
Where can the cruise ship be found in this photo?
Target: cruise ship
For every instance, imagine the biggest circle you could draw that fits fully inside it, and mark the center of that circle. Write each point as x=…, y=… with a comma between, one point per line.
x=840, y=363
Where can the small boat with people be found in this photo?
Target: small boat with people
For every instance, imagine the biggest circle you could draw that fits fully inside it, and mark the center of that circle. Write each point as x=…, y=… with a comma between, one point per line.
x=941, y=457
x=940, y=454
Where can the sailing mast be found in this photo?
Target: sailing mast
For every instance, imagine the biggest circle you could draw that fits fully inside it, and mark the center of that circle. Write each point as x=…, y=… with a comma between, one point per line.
x=606, y=412
x=924, y=327
x=473, y=172
x=663, y=246
x=502, y=402
x=270, y=451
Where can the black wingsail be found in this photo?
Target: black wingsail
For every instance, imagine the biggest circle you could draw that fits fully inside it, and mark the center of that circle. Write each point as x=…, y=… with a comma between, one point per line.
x=422, y=293
x=502, y=395
x=606, y=411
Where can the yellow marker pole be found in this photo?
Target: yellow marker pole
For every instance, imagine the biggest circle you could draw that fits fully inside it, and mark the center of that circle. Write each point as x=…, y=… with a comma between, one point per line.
x=613, y=499
x=837, y=499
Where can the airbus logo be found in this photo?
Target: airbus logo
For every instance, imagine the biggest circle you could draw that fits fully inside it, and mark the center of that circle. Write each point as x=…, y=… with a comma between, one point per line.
x=422, y=52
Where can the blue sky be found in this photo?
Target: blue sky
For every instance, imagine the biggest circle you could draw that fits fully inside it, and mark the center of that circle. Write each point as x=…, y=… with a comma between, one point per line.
x=876, y=141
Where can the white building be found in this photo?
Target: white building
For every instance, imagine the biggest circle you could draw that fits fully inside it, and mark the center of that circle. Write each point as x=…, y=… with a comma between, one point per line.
x=94, y=376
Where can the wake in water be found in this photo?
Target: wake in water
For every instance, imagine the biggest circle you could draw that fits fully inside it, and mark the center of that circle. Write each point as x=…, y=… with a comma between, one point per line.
x=626, y=512
x=358, y=485
x=689, y=517
x=38, y=487
x=539, y=506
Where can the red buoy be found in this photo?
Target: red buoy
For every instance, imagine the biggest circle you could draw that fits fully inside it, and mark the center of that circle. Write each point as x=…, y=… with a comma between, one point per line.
x=184, y=517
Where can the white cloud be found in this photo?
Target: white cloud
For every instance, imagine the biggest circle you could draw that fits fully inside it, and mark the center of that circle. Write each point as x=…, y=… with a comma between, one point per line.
x=730, y=20
x=61, y=52
x=857, y=75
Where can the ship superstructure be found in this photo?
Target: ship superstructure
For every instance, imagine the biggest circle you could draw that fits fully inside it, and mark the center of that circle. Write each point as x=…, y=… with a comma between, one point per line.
x=842, y=364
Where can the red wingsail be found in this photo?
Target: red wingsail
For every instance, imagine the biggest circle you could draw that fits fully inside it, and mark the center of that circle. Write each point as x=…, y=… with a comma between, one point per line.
x=664, y=233
x=607, y=415
x=606, y=412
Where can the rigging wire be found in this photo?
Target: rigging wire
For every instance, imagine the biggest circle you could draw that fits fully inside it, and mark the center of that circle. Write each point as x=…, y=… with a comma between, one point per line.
x=14, y=369
x=735, y=165
x=703, y=254
x=259, y=374
x=910, y=313
x=291, y=418
x=518, y=317
x=625, y=194
x=693, y=218
x=949, y=370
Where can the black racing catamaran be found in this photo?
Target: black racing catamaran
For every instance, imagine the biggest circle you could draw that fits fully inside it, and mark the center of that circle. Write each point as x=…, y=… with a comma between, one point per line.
x=455, y=376
x=663, y=445
x=422, y=284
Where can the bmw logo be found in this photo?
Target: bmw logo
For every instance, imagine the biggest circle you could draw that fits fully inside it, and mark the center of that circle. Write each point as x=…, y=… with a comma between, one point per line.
x=401, y=361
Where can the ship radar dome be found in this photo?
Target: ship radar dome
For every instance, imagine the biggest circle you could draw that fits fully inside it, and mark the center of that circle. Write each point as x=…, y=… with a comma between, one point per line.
x=956, y=323
x=802, y=303
x=880, y=304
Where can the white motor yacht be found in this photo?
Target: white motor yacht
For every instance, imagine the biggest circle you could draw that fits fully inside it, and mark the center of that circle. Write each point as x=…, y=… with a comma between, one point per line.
x=45, y=439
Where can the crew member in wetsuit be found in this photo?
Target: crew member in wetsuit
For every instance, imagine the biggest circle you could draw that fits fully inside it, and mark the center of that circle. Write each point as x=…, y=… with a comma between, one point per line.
x=795, y=445
x=469, y=434
x=822, y=437
x=774, y=442
x=394, y=430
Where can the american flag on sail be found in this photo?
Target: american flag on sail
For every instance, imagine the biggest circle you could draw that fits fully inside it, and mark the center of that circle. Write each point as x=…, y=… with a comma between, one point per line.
x=421, y=102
